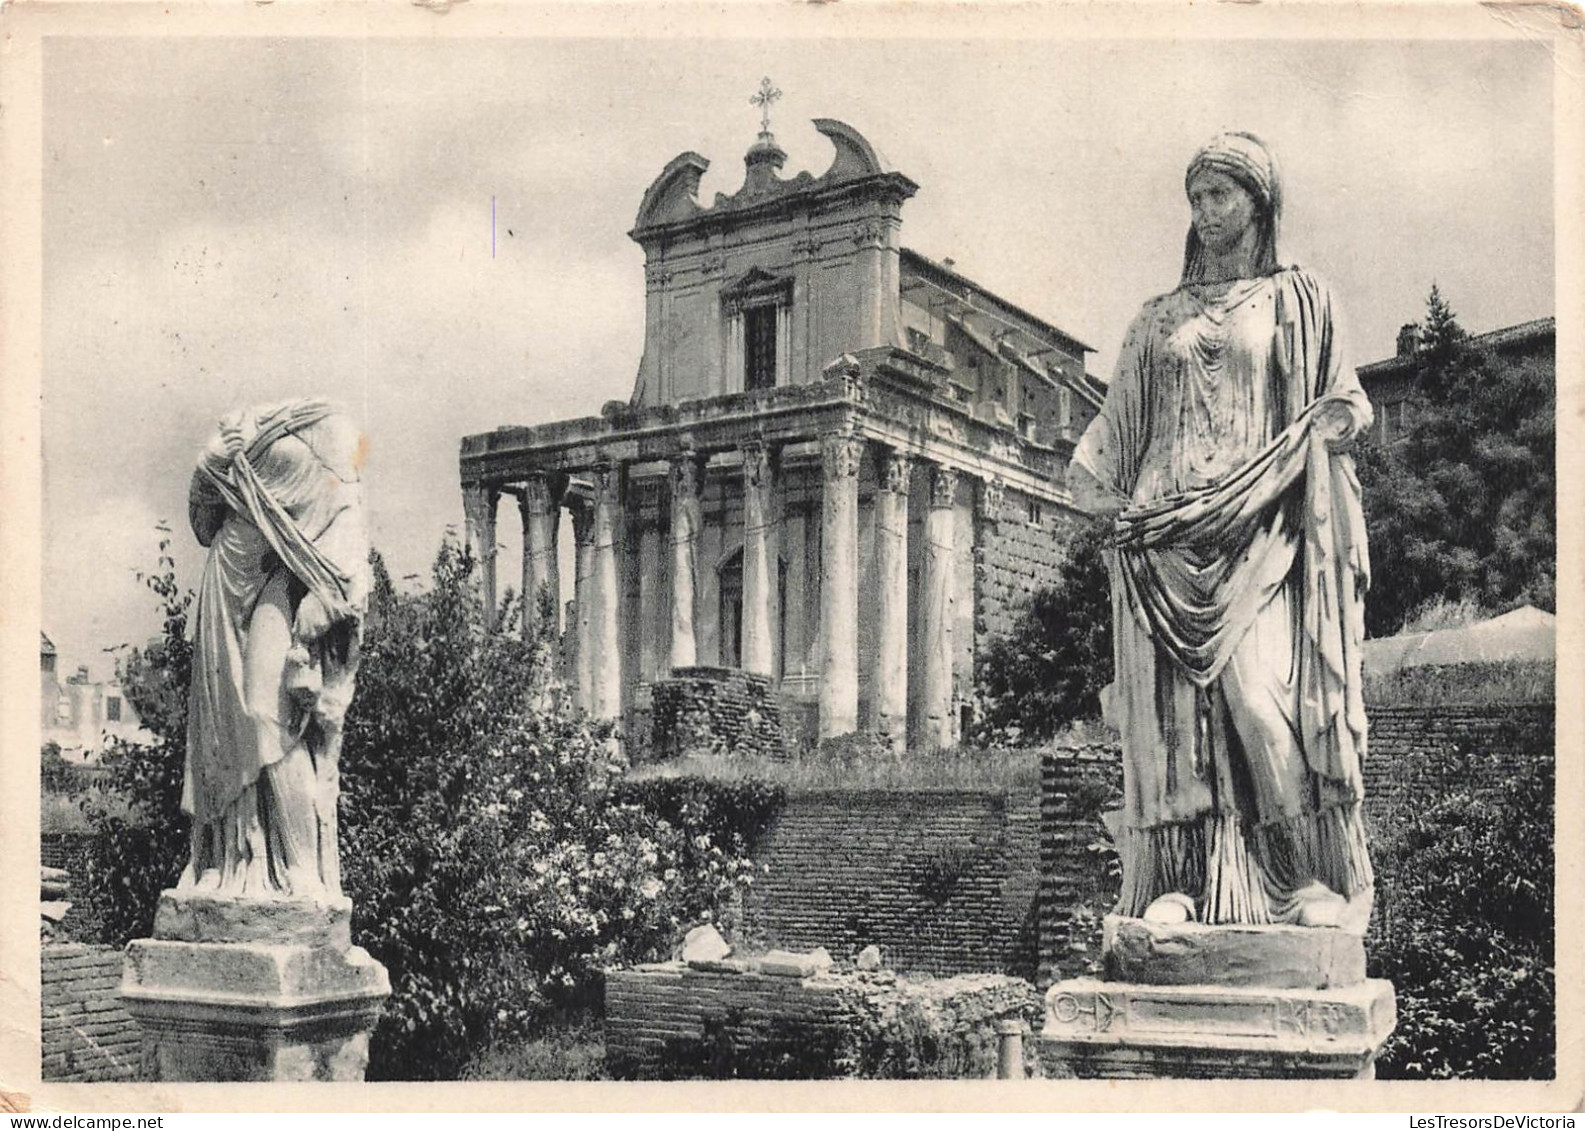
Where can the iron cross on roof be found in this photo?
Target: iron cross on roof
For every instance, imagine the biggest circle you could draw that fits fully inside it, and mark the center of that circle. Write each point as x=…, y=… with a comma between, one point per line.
x=767, y=94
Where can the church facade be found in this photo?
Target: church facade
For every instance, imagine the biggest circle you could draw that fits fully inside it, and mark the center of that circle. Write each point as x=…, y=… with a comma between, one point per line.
x=842, y=468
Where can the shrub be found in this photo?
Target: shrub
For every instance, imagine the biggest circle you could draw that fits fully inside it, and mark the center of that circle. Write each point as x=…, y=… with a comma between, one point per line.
x=492, y=866
x=1048, y=671
x=138, y=844
x=1464, y=928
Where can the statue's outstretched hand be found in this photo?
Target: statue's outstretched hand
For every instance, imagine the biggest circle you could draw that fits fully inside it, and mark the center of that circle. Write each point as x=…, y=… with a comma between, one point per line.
x=313, y=619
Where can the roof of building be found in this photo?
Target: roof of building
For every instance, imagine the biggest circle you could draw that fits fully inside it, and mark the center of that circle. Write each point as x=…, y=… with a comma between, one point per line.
x=1526, y=633
x=1506, y=336
x=957, y=281
x=46, y=645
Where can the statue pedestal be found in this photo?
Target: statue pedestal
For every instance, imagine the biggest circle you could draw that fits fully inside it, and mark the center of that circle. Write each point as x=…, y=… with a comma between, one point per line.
x=251, y=989
x=1190, y=1000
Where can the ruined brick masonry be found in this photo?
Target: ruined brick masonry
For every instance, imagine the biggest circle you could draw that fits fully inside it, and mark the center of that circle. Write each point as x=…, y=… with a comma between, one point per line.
x=673, y=1019
x=942, y=882
x=87, y=1036
x=698, y=709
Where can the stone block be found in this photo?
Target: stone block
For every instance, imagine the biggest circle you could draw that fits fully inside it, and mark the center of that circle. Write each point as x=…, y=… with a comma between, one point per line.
x=1128, y=1030
x=252, y=990
x=1278, y=957
x=705, y=944
x=789, y=964
x=196, y=917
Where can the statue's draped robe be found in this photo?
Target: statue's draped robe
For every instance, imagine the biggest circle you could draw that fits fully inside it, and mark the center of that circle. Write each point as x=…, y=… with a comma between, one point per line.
x=282, y=520
x=1238, y=581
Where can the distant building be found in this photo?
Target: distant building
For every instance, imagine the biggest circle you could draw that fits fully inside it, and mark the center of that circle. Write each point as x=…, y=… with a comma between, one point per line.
x=79, y=715
x=842, y=467
x=1390, y=384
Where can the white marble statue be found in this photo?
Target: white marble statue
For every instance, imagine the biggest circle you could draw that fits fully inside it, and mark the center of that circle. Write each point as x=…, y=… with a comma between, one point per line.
x=278, y=500
x=1238, y=576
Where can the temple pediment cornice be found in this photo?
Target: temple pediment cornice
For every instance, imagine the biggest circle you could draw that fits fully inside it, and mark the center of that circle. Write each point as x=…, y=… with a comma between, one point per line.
x=671, y=208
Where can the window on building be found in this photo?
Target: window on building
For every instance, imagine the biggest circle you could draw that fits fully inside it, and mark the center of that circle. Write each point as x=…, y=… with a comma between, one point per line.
x=1394, y=421
x=757, y=309
x=1034, y=512
x=113, y=709
x=759, y=347
x=47, y=661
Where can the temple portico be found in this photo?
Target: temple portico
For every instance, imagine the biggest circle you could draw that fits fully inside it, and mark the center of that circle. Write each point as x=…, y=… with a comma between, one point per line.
x=839, y=460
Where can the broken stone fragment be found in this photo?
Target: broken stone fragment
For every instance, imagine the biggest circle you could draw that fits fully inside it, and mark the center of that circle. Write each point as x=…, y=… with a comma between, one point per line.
x=704, y=944
x=794, y=964
x=870, y=958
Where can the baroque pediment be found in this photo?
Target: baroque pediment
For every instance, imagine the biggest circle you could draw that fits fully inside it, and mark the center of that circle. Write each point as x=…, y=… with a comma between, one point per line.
x=673, y=198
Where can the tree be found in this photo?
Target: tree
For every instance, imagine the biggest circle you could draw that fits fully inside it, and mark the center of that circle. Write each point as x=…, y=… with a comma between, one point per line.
x=1050, y=669
x=138, y=839
x=493, y=866
x=1461, y=508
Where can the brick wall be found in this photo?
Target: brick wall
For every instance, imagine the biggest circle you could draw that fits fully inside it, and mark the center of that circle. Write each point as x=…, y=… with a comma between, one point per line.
x=1076, y=784
x=87, y=1035
x=1410, y=749
x=1408, y=746
x=698, y=708
x=943, y=882
x=672, y=1020
x=1012, y=558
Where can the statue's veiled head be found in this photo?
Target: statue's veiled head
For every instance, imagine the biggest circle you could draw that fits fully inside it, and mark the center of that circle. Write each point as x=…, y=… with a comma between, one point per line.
x=1232, y=183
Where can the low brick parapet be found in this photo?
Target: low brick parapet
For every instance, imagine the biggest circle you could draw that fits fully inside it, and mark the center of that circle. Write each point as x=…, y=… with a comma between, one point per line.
x=724, y=1019
x=87, y=1035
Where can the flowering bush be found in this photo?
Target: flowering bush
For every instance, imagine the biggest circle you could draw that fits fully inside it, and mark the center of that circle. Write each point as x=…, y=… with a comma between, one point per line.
x=492, y=866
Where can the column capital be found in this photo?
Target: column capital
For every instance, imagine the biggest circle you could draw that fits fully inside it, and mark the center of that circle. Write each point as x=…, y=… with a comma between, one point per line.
x=895, y=468
x=539, y=493
x=757, y=456
x=993, y=496
x=841, y=455
x=943, y=486
x=478, y=501
x=685, y=474
x=582, y=509
x=607, y=479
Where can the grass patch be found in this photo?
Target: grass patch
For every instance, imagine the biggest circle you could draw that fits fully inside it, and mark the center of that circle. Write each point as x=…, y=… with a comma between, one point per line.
x=572, y=1050
x=61, y=813
x=1508, y=681
x=845, y=763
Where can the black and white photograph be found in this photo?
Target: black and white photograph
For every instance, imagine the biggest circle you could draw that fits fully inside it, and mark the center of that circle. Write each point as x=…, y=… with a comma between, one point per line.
x=1019, y=546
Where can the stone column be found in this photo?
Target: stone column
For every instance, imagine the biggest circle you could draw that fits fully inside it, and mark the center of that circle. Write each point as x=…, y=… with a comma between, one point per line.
x=936, y=724
x=605, y=641
x=757, y=488
x=839, y=586
x=541, y=513
x=684, y=558
x=889, y=673
x=583, y=570
x=650, y=594
x=478, y=508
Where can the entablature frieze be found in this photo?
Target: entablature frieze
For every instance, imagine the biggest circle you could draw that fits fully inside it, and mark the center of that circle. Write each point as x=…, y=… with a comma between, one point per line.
x=880, y=406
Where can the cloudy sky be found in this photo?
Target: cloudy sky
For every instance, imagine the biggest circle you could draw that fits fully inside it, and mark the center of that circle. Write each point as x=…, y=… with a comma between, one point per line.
x=232, y=221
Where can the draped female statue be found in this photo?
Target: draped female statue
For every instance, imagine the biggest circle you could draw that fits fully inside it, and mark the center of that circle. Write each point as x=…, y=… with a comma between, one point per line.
x=1239, y=569
x=278, y=500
